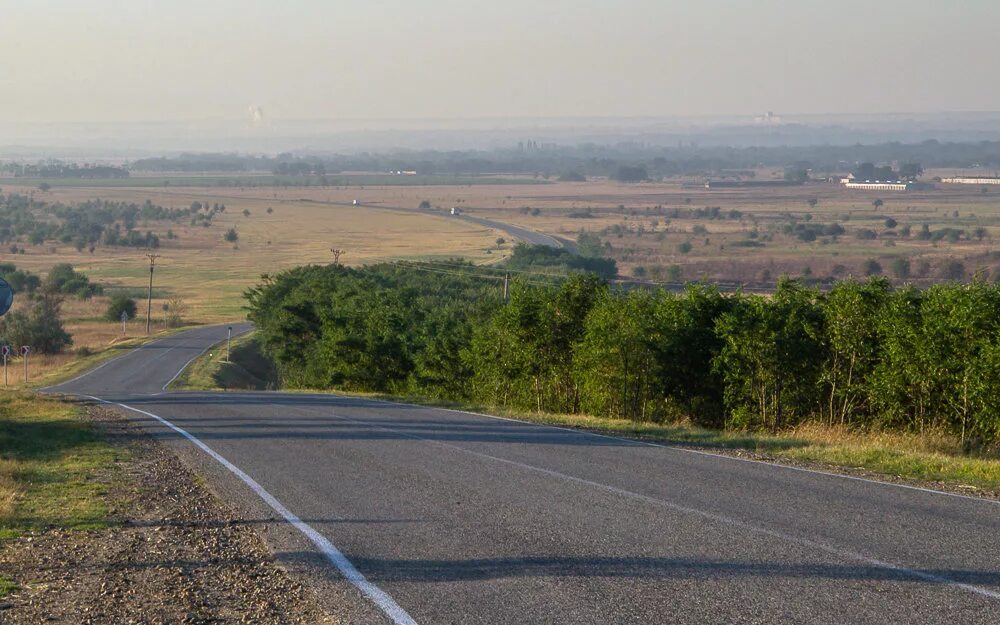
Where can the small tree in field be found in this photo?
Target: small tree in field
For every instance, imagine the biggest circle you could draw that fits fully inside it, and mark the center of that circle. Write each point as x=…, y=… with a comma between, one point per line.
x=120, y=303
x=231, y=236
x=877, y=203
x=425, y=204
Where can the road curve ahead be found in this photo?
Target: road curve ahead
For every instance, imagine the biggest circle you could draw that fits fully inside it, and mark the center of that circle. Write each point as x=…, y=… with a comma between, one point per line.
x=423, y=515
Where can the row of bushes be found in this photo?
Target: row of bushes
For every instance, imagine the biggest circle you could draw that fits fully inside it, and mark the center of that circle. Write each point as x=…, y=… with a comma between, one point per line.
x=864, y=354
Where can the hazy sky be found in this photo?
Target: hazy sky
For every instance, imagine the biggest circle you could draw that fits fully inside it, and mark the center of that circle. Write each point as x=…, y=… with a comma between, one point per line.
x=140, y=60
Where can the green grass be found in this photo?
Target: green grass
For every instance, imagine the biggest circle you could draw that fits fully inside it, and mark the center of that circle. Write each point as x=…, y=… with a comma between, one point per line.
x=928, y=458
x=51, y=466
x=7, y=586
x=247, y=369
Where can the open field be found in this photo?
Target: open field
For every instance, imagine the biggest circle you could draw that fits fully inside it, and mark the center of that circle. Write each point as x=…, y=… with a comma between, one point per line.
x=735, y=234
x=209, y=275
x=647, y=226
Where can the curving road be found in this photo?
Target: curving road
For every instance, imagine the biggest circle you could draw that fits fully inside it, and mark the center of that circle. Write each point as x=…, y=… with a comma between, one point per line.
x=407, y=514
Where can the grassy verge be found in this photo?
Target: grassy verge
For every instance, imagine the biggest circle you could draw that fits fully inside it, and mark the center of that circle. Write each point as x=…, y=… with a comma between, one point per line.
x=247, y=369
x=931, y=457
x=50, y=459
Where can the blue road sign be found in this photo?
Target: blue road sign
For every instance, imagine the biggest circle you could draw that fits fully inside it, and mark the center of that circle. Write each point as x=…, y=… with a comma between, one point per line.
x=6, y=296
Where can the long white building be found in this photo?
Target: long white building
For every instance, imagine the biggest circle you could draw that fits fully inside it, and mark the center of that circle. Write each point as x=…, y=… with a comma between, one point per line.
x=971, y=180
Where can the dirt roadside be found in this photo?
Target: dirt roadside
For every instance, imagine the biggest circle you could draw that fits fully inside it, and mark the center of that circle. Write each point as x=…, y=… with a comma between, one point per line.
x=173, y=553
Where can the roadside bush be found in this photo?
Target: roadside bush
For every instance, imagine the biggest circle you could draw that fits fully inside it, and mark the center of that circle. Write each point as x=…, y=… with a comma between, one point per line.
x=120, y=303
x=40, y=327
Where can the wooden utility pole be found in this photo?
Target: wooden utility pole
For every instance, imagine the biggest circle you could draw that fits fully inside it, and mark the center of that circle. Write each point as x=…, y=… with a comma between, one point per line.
x=149, y=297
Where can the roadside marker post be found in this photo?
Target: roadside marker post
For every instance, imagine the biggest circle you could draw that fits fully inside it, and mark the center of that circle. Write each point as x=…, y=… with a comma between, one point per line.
x=124, y=318
x=229, y=342
x=25, y=350
x=5, y=350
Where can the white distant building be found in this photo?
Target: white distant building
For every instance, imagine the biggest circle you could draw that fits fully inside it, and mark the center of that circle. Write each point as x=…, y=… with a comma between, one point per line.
x=851, y=182
x=971, y=180
x=456, y=210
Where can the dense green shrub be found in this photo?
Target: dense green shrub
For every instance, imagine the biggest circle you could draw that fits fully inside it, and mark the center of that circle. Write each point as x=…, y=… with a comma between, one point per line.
x=120, y=303
x=864, y=354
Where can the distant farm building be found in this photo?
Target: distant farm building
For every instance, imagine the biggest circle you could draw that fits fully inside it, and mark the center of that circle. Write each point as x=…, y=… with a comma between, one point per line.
x=971, y=180
x=885, y=185
x=456, y=210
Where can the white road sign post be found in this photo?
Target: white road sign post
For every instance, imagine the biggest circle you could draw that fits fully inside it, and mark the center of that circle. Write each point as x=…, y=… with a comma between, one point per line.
x=229, y=342
x=25, y=350
x=5, y=350
x=124, y=318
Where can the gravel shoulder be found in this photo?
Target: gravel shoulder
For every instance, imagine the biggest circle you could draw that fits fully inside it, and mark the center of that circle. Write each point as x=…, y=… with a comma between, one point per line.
x=173, y=553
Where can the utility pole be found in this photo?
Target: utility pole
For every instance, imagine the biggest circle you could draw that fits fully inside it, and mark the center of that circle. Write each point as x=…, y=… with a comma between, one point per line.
x=149, y=298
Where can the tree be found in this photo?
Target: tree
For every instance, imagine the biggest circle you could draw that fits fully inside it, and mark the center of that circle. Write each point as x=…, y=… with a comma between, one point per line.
x=890, y=222
x=44, y=186
x=246, y=212
x=901, y=268
x=910, y=171
x=40, y=327
x=684, y=247
x=231, y=236
x=500, y=241
x=877, y=203
x=771, y=357
x=980, y=233
x=589, y=245
x=812, y=202
x=63, y=279
x=871, y=267
x=269, y=210
x=424, y=205
x=851, y=315
x=631, y=173
x=572, y=176
x=120, y=303
x=952, y=270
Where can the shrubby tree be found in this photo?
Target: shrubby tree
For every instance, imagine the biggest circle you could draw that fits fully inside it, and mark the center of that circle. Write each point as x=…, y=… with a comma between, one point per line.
x=120, y=303
x=39, y=327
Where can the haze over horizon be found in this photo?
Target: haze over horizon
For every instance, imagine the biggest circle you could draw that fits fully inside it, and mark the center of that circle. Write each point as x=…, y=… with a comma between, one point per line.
x=124, y=62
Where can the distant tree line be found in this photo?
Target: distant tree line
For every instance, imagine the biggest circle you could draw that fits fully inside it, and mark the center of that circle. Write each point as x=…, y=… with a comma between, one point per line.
x=91, y=223
x=64, y=170
x=864, y=354
x=623, y=161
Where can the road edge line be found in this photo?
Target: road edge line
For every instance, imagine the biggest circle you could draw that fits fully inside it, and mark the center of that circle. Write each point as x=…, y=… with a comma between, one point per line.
x=379, y=597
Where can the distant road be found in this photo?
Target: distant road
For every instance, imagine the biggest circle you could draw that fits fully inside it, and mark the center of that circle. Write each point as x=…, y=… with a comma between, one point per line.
x=528, y=236
x=442, y=516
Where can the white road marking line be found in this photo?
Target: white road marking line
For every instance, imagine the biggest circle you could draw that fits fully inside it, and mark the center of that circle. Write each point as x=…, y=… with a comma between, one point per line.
x=385, y=603
x=181, y=370
x=843, y=553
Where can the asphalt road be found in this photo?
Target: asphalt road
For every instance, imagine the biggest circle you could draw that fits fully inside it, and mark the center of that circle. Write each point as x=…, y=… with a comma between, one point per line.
x=437, y=516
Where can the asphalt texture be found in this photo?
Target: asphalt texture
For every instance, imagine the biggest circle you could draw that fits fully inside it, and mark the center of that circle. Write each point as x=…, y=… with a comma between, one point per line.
x=457, y=517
